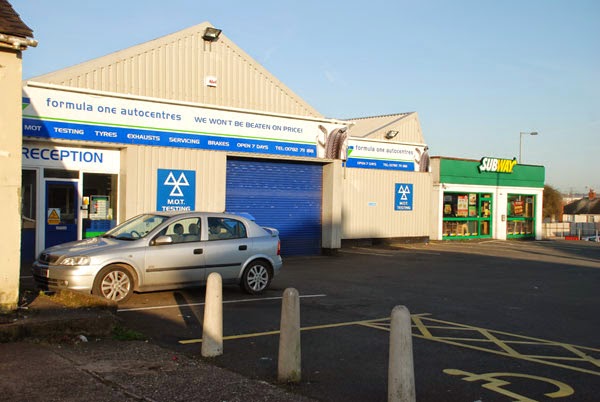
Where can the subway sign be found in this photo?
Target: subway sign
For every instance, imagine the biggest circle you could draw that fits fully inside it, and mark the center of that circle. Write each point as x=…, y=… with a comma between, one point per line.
x=496, y=165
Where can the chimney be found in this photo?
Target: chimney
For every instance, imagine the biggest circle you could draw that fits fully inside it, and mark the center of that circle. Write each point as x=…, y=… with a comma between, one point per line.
x=591, y=194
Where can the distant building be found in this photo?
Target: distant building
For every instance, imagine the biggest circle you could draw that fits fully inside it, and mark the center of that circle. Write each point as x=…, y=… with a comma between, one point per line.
x=585, y=209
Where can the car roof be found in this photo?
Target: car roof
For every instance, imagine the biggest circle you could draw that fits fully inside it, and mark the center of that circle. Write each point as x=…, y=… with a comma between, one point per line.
x=183, y=214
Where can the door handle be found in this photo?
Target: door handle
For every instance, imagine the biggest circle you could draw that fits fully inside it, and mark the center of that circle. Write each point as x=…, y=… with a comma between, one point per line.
x=198, y=251
x=243, y=247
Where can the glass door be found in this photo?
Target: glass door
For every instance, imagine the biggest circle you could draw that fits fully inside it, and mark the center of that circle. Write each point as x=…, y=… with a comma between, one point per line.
x=61, y=212
x=485, y=213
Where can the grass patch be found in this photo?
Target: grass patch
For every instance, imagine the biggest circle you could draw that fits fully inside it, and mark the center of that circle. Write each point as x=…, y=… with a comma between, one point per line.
x=125, y=334
x=72, y=299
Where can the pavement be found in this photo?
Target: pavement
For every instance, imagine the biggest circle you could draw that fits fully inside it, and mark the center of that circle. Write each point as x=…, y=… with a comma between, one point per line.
x=73, y=347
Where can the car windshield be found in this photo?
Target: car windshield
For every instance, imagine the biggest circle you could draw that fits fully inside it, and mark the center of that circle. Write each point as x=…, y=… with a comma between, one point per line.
x=136, y=228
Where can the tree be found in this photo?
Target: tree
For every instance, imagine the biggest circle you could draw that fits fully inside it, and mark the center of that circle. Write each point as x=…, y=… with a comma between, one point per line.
x=553, y=204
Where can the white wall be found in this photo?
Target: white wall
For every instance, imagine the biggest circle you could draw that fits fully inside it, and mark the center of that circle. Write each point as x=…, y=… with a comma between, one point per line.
x=10, y=177
x=368, y=204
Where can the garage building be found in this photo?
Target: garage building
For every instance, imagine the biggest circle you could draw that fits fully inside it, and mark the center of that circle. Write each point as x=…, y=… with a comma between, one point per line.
x=190, y=121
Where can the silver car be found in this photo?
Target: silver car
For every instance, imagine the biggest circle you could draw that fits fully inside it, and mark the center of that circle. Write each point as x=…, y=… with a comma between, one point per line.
x=157, y=251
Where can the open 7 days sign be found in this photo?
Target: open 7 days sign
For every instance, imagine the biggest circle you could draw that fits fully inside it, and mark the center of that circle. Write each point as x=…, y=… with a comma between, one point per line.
x=176, y=190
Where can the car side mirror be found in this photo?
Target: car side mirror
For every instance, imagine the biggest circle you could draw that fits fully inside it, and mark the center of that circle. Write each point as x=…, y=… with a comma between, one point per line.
x=163, y=240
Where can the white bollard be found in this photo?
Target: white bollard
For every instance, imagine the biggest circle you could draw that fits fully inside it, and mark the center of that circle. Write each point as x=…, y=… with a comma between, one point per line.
x=212, y=328
x=289, y=363
x=401, y=372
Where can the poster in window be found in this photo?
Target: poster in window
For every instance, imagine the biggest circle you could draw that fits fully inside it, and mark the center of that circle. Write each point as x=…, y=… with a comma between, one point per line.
x=462, y=206
x=518, y=208
x=472, y=199
x=472, y=210
x=447, y=209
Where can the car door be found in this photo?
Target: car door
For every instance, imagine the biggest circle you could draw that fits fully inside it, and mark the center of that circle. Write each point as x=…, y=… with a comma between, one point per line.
x=179, y=263
x=227, y=247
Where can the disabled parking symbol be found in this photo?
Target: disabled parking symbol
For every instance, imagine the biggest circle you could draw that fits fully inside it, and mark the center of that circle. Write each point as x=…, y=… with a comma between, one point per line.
x=494, y=383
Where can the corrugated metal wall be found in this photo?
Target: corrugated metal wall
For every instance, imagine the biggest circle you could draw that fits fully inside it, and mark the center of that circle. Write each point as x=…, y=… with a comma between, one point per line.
x=376, y=127
x=174, y=67
x=368, y=204
x=139, y=166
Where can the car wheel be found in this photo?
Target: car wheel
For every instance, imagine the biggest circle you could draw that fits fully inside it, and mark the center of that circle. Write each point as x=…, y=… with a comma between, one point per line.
x=257, y=277
x=115, y=283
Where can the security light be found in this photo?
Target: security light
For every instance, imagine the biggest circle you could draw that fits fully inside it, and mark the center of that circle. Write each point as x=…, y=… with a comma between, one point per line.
x=211, y=34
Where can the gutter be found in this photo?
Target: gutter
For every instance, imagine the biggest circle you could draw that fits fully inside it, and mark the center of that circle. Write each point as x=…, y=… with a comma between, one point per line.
x=16, y=42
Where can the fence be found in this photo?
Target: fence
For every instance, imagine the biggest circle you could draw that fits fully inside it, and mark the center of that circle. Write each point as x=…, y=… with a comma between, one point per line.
x=553, y=230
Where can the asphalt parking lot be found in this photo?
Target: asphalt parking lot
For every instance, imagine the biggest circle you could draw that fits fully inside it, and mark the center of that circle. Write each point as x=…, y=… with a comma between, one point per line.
x=491, y=321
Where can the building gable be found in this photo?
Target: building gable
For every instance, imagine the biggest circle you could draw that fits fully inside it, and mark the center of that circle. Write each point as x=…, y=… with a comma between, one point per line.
x=400, y=127
x=183, y=66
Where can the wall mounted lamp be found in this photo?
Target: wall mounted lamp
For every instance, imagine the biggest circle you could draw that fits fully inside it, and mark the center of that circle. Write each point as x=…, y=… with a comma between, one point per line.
x=211, y=34
x=391, y=134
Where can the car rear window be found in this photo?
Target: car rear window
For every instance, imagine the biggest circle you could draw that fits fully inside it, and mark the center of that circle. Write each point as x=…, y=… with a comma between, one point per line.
x=225, y=228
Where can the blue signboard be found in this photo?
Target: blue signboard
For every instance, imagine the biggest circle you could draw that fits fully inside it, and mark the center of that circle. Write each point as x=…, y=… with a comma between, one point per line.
x=403, y=199
x=176, y=190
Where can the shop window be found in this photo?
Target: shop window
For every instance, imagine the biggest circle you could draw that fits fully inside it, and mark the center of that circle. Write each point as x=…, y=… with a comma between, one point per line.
x=98, y=203
x=467, y=215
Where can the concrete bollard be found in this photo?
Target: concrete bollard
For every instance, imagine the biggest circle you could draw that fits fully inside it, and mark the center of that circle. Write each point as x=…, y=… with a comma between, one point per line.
x=212, y=328
x=401, y=372
x=289, y=363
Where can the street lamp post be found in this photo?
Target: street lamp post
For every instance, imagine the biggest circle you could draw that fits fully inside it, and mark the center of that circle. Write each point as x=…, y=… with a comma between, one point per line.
x=521, y=134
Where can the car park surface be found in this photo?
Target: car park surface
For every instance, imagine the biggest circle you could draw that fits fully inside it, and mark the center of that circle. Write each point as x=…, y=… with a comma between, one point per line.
x=491, y=321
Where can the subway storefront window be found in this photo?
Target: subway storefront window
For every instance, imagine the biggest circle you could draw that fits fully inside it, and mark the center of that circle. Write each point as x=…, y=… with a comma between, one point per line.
x=467, y=215
x=520, y=216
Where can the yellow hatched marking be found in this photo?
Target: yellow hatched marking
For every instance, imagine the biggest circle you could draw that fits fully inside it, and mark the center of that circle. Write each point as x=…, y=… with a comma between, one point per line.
x=494, y=338
x=584, y=356
x=487, y=334
x=424, y=325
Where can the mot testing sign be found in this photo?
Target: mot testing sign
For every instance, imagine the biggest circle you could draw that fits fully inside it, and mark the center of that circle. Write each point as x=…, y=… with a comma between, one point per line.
x=403, y=199
x=176, y=190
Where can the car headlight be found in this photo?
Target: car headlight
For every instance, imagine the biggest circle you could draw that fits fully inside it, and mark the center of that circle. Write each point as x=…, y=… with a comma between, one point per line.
x=76, y=260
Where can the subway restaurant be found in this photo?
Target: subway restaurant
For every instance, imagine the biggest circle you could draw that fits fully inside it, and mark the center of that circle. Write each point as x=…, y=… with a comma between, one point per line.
x=490, y=198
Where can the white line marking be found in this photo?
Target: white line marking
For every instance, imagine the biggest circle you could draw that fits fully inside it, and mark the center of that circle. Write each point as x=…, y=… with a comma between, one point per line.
x=355, y=251
x=124, y=310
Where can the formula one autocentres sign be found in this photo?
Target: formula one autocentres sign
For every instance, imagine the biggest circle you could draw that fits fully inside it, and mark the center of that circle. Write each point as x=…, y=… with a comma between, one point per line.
x=64, y=113
x=387, y=155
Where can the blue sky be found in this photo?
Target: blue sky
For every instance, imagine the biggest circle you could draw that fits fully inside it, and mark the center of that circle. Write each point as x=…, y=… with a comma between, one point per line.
x=477, y=72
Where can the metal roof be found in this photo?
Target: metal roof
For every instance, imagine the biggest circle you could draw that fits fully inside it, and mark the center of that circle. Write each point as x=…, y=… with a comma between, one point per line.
x=406, y=125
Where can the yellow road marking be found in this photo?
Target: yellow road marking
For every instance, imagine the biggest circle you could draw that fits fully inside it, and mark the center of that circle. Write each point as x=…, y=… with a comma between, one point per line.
x=324, y=326
x=507, y=344
x=257, y=334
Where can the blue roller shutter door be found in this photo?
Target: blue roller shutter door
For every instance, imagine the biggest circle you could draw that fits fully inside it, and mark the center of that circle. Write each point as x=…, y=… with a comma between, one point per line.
x=283, y=195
